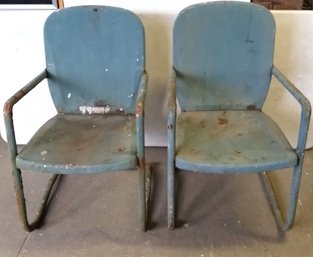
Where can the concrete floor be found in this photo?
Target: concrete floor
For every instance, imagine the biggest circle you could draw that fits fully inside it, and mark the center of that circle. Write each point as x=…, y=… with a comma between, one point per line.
x=96, y=215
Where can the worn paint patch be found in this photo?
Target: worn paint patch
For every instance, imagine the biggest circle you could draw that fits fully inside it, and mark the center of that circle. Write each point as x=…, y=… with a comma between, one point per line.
x=44, y=152
x=251, y=107
x=222, y=121
x=94, y=109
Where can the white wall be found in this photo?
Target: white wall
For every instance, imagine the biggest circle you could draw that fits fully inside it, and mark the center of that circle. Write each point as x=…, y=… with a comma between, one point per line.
x=294, y=57
x=22, y=59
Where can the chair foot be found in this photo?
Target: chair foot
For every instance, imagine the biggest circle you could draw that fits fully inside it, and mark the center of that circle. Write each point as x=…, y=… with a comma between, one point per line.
x=21, y=203
x=171, y=198
x=171, y=225
x=287, y=223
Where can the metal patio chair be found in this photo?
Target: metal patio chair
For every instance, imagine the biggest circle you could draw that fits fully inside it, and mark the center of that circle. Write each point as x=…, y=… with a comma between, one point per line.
x=222, y=69
x=95, y=68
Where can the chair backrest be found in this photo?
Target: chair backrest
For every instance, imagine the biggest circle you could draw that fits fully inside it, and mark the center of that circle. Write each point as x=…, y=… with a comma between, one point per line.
x=95, y=59
x=223, y=55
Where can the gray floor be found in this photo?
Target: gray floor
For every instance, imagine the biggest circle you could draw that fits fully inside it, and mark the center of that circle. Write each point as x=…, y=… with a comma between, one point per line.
x=96, y=215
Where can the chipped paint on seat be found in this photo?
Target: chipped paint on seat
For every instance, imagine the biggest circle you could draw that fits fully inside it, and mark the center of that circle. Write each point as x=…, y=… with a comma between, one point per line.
x=231, y=141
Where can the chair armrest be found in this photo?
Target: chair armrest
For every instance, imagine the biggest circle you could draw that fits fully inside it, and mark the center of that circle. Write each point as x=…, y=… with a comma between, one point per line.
x=305, y=109
x=8, y=106
x=141, y=97
x=8, y=112
x=171, y=119
x=171, y=101
x=140, y=103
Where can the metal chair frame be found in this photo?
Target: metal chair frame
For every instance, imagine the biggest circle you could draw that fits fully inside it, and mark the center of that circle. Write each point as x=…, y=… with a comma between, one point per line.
x=284, y=222
x=143, y=168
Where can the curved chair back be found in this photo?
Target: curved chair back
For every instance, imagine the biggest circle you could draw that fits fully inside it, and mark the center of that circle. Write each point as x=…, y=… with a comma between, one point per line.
x=89, y=51
x=223, y=56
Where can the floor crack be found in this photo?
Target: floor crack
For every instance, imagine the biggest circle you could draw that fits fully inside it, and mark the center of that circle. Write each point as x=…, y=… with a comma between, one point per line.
x=23, y=244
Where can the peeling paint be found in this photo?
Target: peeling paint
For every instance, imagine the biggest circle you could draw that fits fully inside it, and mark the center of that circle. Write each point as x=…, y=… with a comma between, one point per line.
x=222, y=121
x=94, y=109
x=107, y=109
x=44, y=152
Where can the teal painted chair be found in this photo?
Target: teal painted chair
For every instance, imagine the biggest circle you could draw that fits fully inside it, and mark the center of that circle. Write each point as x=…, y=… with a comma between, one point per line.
x=222, y=69
x=95, y=68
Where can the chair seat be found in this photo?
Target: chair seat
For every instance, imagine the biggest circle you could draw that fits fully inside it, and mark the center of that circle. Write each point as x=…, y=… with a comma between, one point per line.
x=231, y=141
x=93, y=144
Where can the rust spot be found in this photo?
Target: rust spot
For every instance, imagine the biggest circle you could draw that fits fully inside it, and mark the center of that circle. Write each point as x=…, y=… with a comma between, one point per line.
x=139, y=109
x=251, y=107
x=18, y=200
x=237, y=151
x=121, y=149
x=100, y=103
x=7, y=110
x=239, y=134
x=202, y=124
x=141, y=162
x=222, y=121
x=194, y=151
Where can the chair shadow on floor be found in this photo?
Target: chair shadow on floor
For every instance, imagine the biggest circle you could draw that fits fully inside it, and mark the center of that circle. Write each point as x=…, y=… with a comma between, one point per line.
x=224, y=204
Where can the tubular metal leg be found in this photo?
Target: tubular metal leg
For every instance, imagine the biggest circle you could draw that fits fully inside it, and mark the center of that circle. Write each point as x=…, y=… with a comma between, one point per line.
x=21, y=203
x=148, y=190
x=284, y=224
x=171, y=195
x=142, y=200
x=144, y=195
x=171, y=151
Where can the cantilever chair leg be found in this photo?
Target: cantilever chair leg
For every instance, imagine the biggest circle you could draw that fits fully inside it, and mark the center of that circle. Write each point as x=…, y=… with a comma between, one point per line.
x=171, y=195
x=148, y=189
x=144, y=194
x=284, y=223
x=21, y=203
x=171, y=174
